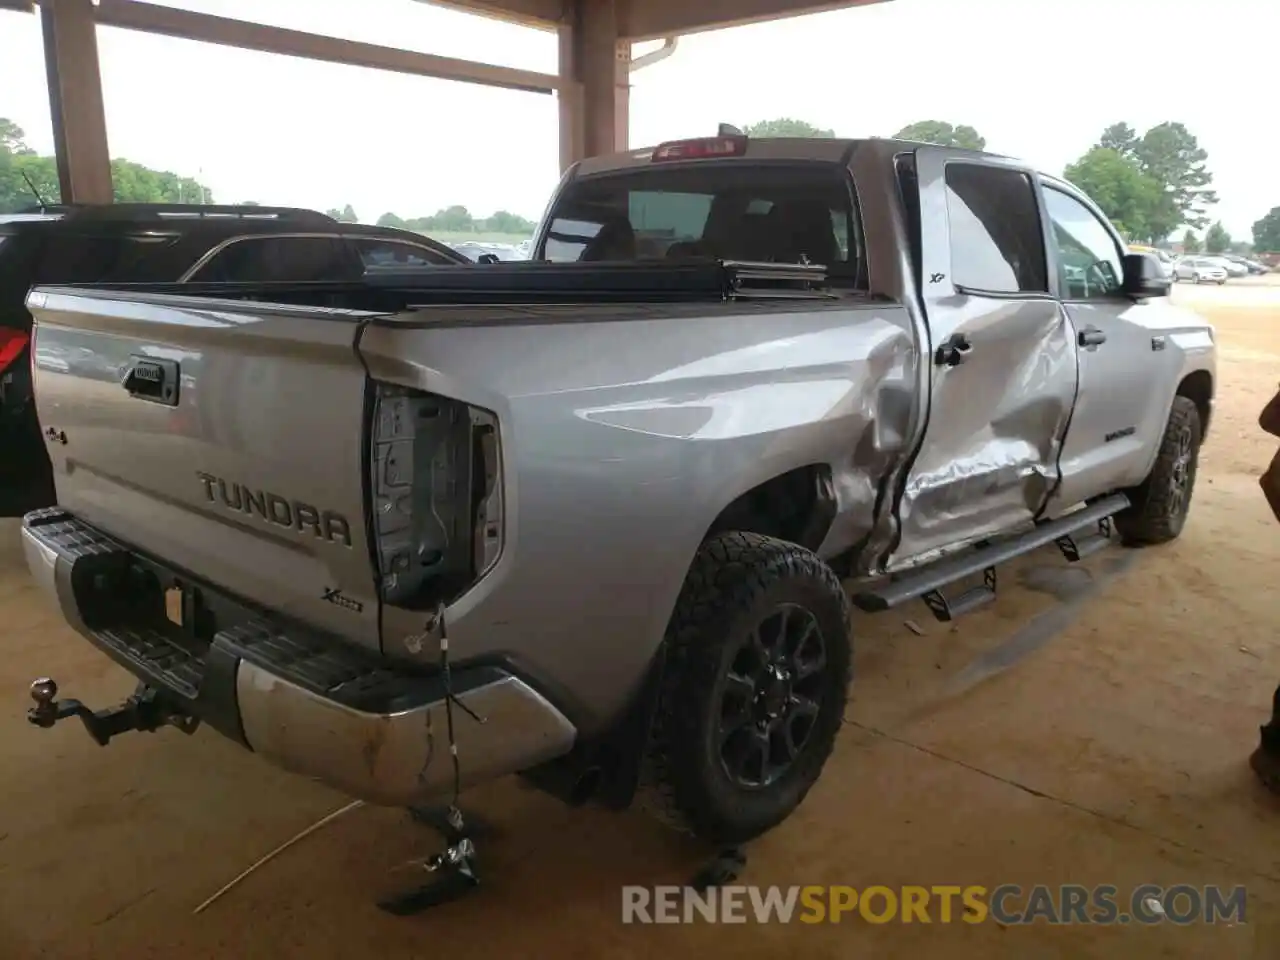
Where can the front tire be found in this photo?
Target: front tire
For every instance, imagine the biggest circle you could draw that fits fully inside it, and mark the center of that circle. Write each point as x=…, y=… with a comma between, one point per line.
x=1159, y=505
x=754, y=688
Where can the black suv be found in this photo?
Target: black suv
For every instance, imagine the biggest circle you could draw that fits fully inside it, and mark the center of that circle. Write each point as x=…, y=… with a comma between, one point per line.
x=159, y=243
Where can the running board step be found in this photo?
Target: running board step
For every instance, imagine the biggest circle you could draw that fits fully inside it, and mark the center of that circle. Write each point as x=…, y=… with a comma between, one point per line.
x=928, y=582
x=1075, y=547
x=969, y=601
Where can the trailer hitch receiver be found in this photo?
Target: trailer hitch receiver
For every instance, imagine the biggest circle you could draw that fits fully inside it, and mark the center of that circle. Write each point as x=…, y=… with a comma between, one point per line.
x=145, y=710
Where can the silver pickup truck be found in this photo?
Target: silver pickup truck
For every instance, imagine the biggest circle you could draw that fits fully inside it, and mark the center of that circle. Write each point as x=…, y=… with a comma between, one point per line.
x=603, y=501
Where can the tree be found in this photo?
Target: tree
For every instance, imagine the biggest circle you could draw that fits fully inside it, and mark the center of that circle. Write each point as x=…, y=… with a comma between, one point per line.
x=391, y=220
x=1122, y=191
x=503, y=221
x=134, y=183
x=1172, y=157
x=1217, y=240
x=131, y=182
x=787, y=127
x=1266, y=232
x=1190, y=242
x=1121, y=138
x=943, y=134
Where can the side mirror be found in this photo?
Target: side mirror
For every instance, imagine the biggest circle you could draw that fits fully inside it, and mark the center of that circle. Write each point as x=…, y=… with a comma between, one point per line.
x=1143, y=277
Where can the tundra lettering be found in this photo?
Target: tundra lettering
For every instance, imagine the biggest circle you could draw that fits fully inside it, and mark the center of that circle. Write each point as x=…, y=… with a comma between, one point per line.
x=324, y=524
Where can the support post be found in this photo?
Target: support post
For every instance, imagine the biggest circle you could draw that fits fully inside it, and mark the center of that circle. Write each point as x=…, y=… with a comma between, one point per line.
x=595, y=95
x=75, y=100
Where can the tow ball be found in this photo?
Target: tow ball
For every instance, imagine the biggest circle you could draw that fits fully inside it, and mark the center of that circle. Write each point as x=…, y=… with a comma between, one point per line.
x=145, y=710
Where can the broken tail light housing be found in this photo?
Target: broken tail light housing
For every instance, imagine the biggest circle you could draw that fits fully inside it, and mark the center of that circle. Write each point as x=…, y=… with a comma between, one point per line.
x=438, y=522
x=702, y=148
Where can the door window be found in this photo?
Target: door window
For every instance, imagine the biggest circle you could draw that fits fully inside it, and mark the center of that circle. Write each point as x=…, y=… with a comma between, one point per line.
x=280, y=259
x=393, y=253
x=1090, y=264
x=996, y=242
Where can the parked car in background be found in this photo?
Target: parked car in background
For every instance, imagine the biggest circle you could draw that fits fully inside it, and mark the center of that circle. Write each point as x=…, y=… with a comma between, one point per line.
x=1251, y=267
x=1200, y=270
x=1233, y=268
x=148, y=243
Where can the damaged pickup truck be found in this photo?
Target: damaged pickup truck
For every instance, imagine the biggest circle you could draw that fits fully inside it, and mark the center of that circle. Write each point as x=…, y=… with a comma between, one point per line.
x=603, y=501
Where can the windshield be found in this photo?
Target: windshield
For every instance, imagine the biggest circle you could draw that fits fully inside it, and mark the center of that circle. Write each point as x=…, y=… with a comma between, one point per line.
x=779, y=213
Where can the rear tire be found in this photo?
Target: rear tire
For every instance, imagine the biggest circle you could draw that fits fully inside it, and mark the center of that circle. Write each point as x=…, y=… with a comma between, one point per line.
x=754, y=689
x=1159, y=505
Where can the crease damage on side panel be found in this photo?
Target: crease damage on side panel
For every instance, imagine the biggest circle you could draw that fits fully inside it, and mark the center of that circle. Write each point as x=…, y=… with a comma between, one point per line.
x=972, y=478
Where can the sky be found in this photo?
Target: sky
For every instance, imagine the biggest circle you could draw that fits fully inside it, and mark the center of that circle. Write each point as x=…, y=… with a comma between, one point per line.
x=1039, y=81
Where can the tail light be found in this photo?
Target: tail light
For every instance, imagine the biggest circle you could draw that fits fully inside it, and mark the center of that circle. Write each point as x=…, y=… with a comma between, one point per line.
x=704, y=148
x=437, y=498
x=12, y=343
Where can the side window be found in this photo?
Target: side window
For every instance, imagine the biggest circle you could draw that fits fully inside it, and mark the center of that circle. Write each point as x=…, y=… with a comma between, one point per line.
x=267, y=259
x=1089, y=259
x=996, y=242
x=393, y=253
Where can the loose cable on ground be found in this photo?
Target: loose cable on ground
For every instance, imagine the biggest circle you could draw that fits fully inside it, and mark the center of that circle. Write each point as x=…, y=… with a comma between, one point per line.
x=324, y=822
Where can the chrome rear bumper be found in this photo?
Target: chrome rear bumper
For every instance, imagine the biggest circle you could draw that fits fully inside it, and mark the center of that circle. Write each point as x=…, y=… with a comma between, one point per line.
x=311, y=706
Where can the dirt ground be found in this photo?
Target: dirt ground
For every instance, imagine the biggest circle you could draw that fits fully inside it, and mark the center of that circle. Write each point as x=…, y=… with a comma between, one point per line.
x=1110, y=749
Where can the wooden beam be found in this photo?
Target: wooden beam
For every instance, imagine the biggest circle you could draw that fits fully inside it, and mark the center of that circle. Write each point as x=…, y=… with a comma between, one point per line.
x=171, y=22
x=75, y=101
x=540, y=14
x=656, y=19
x=22, y=6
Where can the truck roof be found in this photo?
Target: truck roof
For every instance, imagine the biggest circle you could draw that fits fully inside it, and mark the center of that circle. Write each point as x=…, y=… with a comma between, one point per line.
x=821, y=149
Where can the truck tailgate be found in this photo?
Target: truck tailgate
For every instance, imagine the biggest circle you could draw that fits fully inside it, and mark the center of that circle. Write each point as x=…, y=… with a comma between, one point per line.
x=218, y=438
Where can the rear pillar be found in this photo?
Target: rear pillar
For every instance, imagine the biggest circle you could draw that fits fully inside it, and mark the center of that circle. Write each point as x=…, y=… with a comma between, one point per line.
x=75, y=100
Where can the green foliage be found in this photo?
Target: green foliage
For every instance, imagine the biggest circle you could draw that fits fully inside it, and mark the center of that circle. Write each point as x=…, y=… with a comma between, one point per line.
x=1152, y=184
x=943, y=134
x=458, y=220
x=1217, y=240
x=1190, y=242
x=787, y=127
x=346, y=215
x=1121, y=138
x=1171, y=156
x=133, y=183
x=1117, y=185
x=1266, y=232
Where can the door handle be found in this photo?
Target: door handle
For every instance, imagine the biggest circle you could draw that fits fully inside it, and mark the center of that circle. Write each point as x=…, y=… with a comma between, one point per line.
x=953, y=352
x=1091, y=337
x=150, y=379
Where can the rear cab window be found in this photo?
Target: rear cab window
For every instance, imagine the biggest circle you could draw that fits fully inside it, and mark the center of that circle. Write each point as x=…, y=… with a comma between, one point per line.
x=727, y=210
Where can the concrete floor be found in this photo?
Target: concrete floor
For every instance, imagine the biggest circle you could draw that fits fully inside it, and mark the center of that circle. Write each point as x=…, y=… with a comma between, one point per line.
x=1111, y=751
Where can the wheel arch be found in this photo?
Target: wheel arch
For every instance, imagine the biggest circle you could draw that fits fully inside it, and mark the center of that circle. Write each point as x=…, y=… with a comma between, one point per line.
x=1197, y=386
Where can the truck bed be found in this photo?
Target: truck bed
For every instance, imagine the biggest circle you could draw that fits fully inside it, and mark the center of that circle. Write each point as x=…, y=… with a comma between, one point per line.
x=267, y=440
